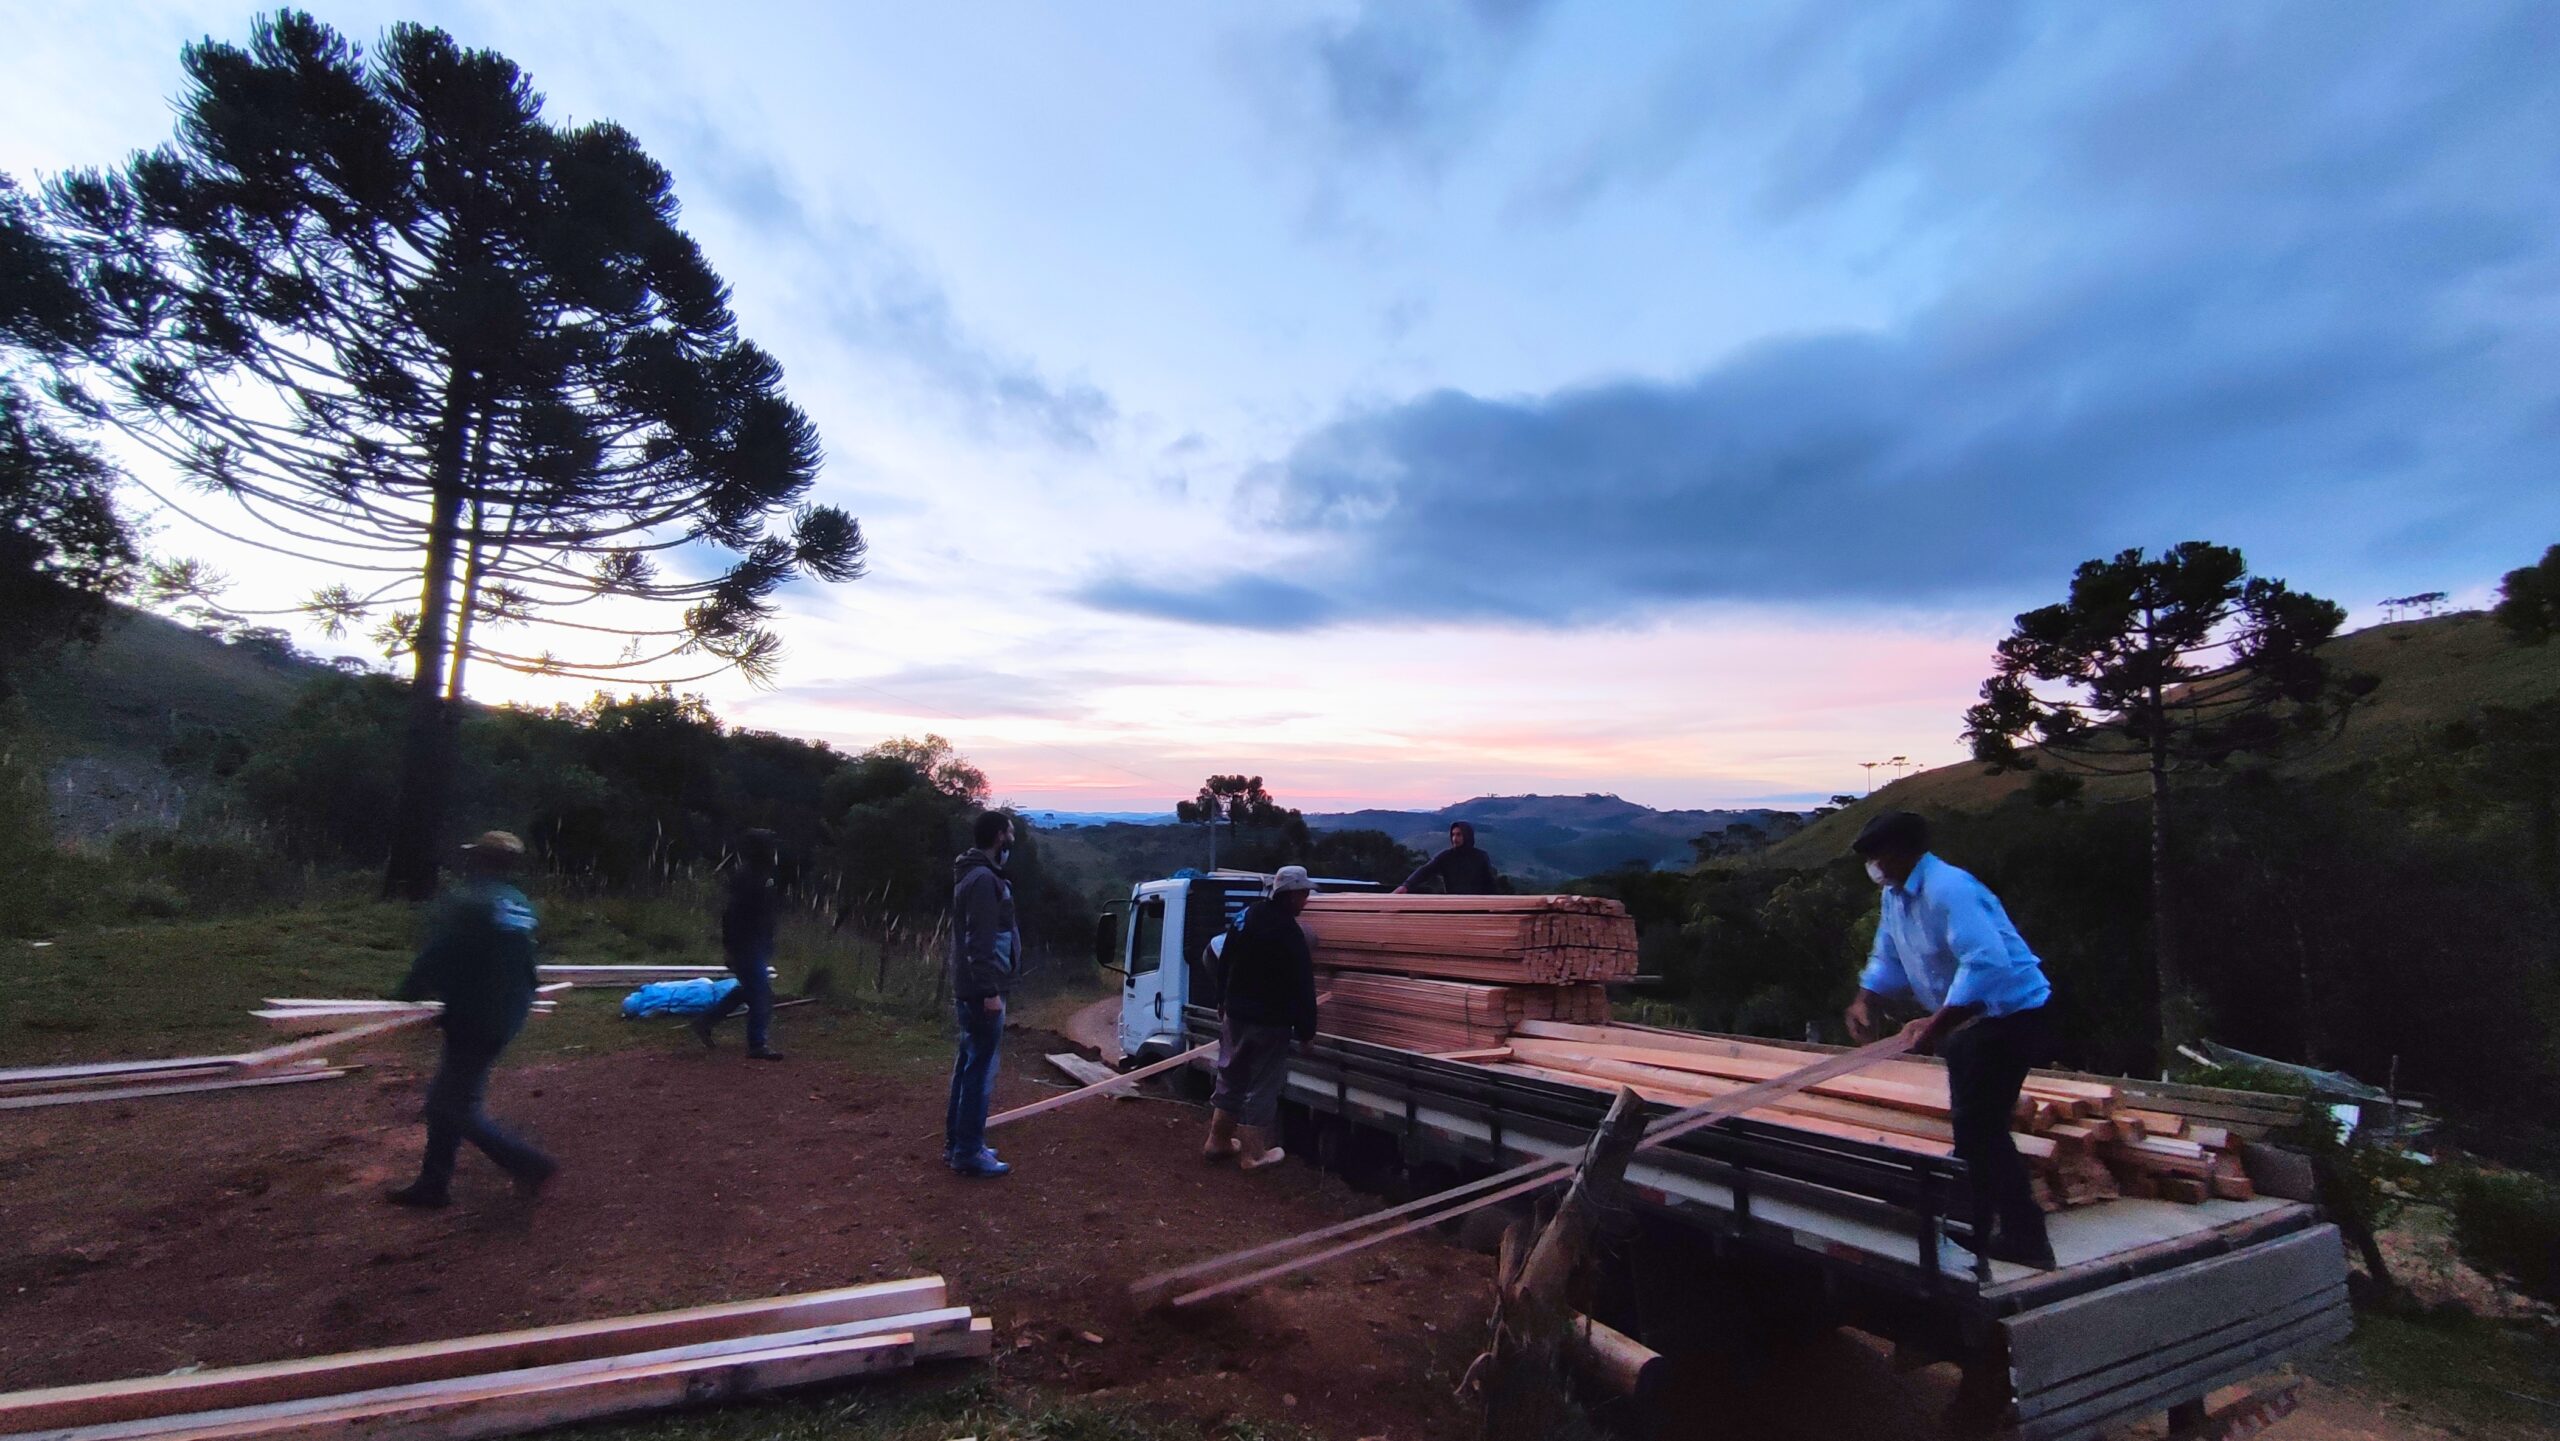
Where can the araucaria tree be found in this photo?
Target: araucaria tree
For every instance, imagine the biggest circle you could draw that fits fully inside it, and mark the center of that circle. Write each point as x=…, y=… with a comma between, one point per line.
x=2160, y=666
x=459, y=356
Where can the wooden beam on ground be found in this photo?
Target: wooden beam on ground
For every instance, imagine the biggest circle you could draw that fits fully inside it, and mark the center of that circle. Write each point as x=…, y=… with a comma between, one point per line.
x=1116, y=1084
x=1082, y=1071
x=295, y=1050
x=60, y=1407
x=539, y=1406
x=1609, y=1360
x=112, y=1068
x=940, y=1334
x=173, y=1088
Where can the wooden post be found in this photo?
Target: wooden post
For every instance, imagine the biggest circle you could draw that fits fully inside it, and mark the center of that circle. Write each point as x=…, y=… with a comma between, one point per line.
x=1524, y=1391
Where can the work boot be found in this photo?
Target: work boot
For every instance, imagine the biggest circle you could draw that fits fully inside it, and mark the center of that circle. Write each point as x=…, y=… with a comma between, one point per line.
x=1222, y=1138
x=702, y=1029
x=531, y=1180
x=418, y=1195
x=766, y=1054
x=979, y=1166
x=1254, y=1151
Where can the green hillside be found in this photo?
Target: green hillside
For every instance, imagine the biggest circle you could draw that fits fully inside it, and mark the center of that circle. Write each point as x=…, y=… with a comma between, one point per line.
x=2433, y=672
x=151, y=683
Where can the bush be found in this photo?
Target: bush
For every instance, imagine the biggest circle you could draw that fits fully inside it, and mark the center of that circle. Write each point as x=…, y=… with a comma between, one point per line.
x=2508, y=1224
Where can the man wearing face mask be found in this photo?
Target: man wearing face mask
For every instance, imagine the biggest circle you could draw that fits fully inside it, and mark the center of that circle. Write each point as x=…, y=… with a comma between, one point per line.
x=1944, y=941
x=986, y=947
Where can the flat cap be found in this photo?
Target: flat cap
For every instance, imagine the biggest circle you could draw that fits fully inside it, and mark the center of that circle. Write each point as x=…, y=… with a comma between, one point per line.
x=1892, y=833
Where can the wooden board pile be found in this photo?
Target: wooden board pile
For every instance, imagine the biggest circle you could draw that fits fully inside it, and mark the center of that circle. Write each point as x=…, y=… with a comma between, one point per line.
x=1503, y=940
x=2081, y=1141
x=518, y=1381
x=1444, y=974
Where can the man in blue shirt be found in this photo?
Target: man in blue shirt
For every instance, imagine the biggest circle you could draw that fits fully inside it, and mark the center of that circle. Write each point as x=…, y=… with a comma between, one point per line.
x=1944, y=942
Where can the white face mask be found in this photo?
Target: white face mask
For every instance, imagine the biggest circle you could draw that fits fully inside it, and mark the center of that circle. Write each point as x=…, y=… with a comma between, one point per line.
x=1875, y=873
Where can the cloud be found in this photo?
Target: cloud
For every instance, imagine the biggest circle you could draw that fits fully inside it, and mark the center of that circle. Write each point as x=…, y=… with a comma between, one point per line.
x=955, y=691
x=868, y=292
x=2274, y=285
x=1403, y=80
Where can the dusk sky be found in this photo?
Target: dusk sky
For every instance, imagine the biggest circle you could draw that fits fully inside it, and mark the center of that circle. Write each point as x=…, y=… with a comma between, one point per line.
x=1411, y=401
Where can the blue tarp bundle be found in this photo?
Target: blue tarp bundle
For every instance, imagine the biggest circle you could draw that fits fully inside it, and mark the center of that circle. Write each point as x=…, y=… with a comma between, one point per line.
x=677, y=998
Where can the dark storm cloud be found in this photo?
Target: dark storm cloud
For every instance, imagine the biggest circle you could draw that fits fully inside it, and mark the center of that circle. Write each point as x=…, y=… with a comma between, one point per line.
x=2287, y=275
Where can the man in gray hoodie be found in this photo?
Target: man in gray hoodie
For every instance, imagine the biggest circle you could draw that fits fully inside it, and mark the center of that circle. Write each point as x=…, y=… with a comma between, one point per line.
x=986, y=947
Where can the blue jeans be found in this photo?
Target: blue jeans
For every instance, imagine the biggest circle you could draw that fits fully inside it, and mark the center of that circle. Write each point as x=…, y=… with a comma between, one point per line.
x=973, y=1078
x=755, y=992
x=454, y=1116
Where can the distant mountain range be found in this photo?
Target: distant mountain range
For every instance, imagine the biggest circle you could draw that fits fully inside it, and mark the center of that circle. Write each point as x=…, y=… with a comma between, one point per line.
x=1558, y=837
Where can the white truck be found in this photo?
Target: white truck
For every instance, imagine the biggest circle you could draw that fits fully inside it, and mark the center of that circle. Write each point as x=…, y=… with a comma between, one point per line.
x=2155, y=1305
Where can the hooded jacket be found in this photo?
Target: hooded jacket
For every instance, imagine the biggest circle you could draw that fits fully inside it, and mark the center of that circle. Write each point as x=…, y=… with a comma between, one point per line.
x=478, y=960
x=985, y=943
x=1271, y=974
x=1462, y=868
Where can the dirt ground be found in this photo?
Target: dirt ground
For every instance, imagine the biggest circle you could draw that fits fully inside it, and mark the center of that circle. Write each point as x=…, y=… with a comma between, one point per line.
x=216, y=1230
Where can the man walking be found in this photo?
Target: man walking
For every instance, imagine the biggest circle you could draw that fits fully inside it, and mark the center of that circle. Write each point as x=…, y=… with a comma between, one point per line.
x=1945, y=941
x=478, y=960
x=986, y=947
x=747, y=926
x=1270, y=996
x=1462, y=870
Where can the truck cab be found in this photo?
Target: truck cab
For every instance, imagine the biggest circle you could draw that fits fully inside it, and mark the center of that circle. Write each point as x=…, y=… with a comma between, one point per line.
x=1153, y=940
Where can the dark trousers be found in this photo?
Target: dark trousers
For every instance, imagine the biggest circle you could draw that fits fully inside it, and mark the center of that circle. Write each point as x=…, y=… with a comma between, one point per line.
x=973, y=1077
x=1987, y=1063
x=454, y=1116
x=755, y=992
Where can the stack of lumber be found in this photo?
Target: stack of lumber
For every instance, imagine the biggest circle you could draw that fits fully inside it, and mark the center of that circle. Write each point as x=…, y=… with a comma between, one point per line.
x=2081, y=1141
x=518, y=1381
x=1503, y=940
x=1457, y=973
x=1438, y=1016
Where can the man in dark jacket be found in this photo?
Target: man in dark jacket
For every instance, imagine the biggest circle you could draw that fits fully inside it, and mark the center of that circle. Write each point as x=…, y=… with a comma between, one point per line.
x=985, y=948
x=478, y=960
x=1462, y=869
x=1270, y=996
x=747, y=926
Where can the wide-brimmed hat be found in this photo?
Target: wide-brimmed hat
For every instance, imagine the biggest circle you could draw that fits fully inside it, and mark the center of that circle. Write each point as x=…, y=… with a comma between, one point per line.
x=1291, y=878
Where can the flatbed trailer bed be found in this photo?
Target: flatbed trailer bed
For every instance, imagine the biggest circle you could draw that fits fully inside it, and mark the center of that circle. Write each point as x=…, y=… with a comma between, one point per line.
x=2155, y=1305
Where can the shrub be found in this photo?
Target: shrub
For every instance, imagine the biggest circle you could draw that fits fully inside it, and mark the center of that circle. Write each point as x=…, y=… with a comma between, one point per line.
x=2508, y=1224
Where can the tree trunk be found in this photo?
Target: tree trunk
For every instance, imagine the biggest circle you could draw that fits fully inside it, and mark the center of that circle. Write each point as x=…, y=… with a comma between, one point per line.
x=1524, y=1379
x=2177, y=1011
x=426, y=757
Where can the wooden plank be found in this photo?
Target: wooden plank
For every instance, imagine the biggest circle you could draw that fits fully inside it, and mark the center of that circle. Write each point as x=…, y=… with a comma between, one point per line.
x=1484, y=1192
x=312, y=1046
x=1848, y=1088
x=113, y=1068
x=538, y=1406
x=1771, y=1115
x=2104, y=1327
x=178, y=1088
x=78, y=1083
x=1117, y=1083
x=1082, y=1071
x=107, y=1401
x=940, y=1332
x=1481, y=1053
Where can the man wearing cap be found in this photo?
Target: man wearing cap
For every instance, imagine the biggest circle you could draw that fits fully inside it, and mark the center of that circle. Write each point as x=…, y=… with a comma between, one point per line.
x=1270, y=996
x=1945, y=942
x=478, y=960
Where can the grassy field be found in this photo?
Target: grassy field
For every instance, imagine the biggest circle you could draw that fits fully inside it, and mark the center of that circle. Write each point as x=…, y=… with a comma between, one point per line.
x=186, y=987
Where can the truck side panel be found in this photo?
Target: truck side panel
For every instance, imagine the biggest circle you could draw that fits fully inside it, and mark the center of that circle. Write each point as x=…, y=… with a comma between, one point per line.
x=2143, y=1344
